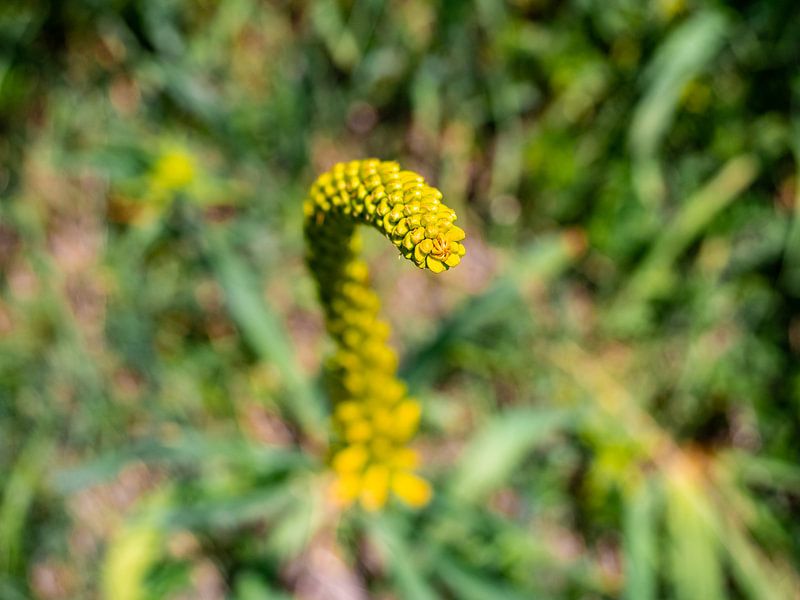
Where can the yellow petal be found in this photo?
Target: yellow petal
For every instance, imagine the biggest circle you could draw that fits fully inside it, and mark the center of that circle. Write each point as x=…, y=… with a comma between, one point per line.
x=411, y=489
x=452, y=260
x=419, y=256
x=401, y=229
x=456, y=234
x=435, y=265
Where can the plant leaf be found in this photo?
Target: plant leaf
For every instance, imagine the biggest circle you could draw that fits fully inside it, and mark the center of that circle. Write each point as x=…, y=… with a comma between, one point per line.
x=500, y=446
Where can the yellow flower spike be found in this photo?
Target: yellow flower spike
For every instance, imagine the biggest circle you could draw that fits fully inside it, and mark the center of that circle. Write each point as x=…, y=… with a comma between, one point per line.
x=373, y=418
x=411, y=489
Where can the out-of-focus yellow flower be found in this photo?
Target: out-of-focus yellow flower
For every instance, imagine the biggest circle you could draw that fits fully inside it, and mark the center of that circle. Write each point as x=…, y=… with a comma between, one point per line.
x=174, y=171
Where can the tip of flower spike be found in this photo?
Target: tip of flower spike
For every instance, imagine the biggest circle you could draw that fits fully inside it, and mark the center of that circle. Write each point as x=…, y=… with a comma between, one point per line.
x=398, y=203
x=437, y=249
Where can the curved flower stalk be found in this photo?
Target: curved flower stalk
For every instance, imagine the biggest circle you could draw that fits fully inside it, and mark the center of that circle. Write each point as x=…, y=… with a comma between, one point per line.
x=373, y=416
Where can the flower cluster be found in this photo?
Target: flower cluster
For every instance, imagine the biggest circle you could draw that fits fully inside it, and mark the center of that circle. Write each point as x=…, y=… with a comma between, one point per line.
x=373, y=416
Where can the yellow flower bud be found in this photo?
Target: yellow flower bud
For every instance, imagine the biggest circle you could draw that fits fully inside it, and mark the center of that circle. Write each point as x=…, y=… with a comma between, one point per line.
x=411, y=489
x=435, y=265
x=375, y=487
x=348, y=411
x=406, y=418
x=360, y=431
x=351, y=459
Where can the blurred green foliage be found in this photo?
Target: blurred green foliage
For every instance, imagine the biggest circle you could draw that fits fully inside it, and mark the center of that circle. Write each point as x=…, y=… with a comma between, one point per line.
x=610, y=379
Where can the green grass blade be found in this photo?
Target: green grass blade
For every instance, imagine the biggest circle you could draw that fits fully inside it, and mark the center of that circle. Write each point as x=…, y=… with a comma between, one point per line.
x=299, y=523
x=683, y=55
x=403, y=565
x=470, y=585
x=19, y=493
x=133, y=551
x=640, y=543
x=500, y=446
x=188, y=451
x=694, y=568
x=767, y=472
x=654, y=274
x=249, y=586
x=263, y=330
x=230, y=511
x=759, y=579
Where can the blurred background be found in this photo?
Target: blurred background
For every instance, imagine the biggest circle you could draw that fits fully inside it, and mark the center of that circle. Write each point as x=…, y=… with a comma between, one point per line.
x=610, y=379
